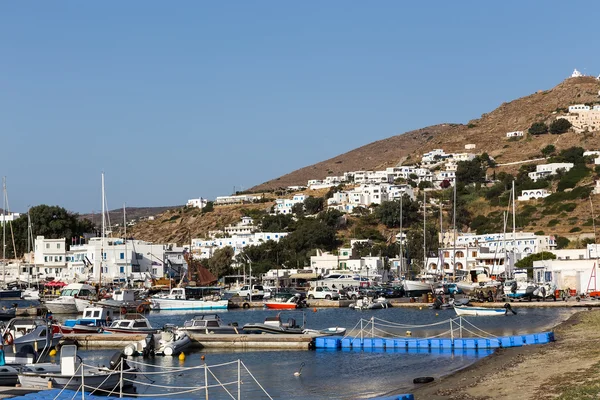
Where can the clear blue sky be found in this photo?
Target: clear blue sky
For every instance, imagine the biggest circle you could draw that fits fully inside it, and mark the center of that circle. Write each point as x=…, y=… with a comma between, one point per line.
x=176, y=100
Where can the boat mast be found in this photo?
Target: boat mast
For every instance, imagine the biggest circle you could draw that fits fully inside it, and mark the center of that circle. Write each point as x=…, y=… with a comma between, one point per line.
x=514, y=228
x=454, y=236
x=441, y=242
x=3, y=231
x=103, y=234
x=595, y=242
x=424, y=230
x=29, y=240
x=125, y=239
x=401, y=239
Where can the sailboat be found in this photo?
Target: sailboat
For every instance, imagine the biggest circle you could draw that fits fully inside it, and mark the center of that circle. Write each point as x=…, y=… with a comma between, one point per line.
x=6, y=293
x=31, y=293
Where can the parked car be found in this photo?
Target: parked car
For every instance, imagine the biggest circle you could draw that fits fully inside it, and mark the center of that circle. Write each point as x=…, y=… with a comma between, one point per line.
x=390, y=292
x=257, y=292
x=353, y=293
x=447, y=288
x=321, y=292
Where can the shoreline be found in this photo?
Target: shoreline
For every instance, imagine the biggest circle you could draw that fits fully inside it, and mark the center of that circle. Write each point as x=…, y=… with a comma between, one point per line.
x=528, y=372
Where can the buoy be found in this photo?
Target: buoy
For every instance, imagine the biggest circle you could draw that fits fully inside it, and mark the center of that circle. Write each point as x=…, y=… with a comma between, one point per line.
x=408, y=333
x=49, y=384
x=202, y=357
x=420, y=308
x=52, y=353
x=436, y=314
x=314, y=309
x=182, y=356
x=298, y=373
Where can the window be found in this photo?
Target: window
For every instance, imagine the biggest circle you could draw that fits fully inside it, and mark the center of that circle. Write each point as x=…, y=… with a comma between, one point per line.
x=122, y=270
x=122, y=256
x=47, y=245
x=154, y=271
x=58, y=245
x=45, y=258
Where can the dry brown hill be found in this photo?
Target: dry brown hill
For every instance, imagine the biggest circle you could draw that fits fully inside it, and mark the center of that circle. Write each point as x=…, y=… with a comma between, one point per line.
x=488, y=133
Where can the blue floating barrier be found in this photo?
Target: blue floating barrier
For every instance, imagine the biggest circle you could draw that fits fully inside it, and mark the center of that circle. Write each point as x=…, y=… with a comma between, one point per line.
x=412, y=343
x=378, y=343
x=446, y=343
x=390, y=343
x=531, y=339
x=470, y=344
x=423, y=343
x=517, y=341
x=505, y=342
x=396, y=397
x=320, y=342
x=346, y=343
x=400, y=343
x=332, y=343
x=435, y=343
x=459, y=343
x=482, y=343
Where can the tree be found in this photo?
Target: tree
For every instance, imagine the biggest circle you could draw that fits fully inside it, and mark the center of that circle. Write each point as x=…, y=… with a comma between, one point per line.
x=559, y=126
x=472, y=171
x=277, y=223
x=414, y=243
x=548, y=150
x=208, y=207
x=445, y=184
x=220, y=262
x=388, y=212
x=562, y=242
x=313, y=205
x=527, y=262
x=425, y=185
x=538, y=128
x=298, y=209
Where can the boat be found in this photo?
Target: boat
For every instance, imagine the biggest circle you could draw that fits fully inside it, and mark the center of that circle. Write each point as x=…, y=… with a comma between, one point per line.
x=414, y=288
x=342, y=279
x=24, y=336
x=30, y=294
x=68, y=374
x=482, y=311
x=337, y=331
x=94, y=320
x=7, y=313
x=367, y=303
x=276, y=326
x=167, y=342
x=125, y=301
x=131, y=323
x=287, y=302
x=74, y=298
x=189, y=298
x=209, y=323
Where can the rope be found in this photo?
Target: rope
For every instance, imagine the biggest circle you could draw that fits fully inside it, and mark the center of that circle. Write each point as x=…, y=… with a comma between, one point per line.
x=219, y=382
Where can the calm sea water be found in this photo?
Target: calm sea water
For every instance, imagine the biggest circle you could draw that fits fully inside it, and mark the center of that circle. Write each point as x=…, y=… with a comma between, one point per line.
x=327, y=374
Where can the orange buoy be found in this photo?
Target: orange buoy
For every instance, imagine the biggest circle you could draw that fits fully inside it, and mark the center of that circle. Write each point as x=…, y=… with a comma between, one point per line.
x=314, y=310
x=202, y=357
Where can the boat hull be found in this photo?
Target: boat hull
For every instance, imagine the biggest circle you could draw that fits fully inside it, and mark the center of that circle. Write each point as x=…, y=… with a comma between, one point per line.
x=100, y=379
x=281, y=306
x=61, y=307
x=10, y=294
x=416, y=288
x=178, y=304
x=479, y=311
x=263, y=328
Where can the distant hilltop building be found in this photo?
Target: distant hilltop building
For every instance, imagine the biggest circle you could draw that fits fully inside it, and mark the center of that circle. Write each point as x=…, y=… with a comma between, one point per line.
x=576, y=74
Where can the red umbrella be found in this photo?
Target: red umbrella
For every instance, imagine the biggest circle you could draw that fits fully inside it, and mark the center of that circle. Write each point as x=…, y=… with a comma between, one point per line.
x=51, y=284
x=60, y=284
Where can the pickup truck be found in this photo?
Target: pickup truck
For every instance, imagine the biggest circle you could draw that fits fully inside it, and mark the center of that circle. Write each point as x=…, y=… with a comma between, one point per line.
x=322, y=293
x=256, y=293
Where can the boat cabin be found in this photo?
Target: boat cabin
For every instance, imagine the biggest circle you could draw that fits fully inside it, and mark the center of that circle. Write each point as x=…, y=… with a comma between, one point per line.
x=96, y=316
x=204, y=321
x=131, y=322
x=194, y=293
x=79, y=290
x=124, y=295
x=290, y=323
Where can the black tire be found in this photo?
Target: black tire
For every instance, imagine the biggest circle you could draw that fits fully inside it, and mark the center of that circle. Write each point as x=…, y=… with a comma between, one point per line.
x=245, y=305
x=353, y=297
x=328, y=297
x=423, y=379
x=310, y=296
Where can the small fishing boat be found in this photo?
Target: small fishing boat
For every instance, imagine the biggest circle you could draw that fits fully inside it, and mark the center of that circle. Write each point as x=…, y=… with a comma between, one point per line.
x=190, y=298
x=337, y=331
x=483, y=311
x=94, y=320
x=7, y=313
x=167, y=342
x=68, y=374
x=289, y=302
x=131, y=323
x=24, y=336
x=368, y=303
x=125, y=301
x=73, y=299
x=209, y=323
x=276, y=326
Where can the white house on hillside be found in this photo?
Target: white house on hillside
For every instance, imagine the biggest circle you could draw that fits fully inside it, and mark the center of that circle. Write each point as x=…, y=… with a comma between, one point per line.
x=545, y=170
x=514, y=134
x=200, y=203
x=533, y=194
x=284, y=206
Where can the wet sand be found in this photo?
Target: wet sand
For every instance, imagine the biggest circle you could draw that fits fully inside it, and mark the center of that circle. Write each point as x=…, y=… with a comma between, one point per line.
x=568, y=368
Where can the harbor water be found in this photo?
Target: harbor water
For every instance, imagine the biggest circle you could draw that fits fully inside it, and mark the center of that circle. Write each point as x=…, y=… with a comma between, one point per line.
x=333, y=374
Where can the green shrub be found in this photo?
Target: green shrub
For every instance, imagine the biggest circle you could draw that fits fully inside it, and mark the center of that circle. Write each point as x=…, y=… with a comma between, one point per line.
x=540, y=233
x=589, y=222
x=553, y=222
x=575, y=229
x=577, y=193
x=538, y=128
x=562, y=242
x=568, y=207
x=559, y=126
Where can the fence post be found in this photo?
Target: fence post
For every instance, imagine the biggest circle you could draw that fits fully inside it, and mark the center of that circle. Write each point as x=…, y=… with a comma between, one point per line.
x=121, y=381
x=206, y=380
x=451, y=332
x=361, y=331
x=460, y=320
x=82, y=382
x=372, y=327
x=239, y=379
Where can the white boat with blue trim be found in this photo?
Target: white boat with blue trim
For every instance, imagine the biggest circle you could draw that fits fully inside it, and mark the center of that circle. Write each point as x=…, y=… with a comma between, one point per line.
x=465, y=311
x=190, y=298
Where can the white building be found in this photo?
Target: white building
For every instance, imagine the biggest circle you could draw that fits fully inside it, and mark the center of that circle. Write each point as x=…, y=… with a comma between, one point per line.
x=362, y=177
x=199, y=203
x=114, y=259
x=544, y=170
x=470, y=146
x=533, y=194
x=10, y=217
x=239, y=199
x=284, y=206
x=581, y=275
x=583, y=117
x=50, y=258
x=593, y=153
x=514, y=134
x=205, y=248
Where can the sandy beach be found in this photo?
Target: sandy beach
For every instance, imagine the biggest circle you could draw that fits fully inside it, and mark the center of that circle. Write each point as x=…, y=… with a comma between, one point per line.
x=568, y=368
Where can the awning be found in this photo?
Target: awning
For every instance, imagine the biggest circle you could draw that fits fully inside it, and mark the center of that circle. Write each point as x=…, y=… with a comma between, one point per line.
x=305, y=276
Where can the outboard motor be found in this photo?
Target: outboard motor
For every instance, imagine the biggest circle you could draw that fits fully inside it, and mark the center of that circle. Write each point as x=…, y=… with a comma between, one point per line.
x=513, y=287
x=115, y=360
x=509, y=308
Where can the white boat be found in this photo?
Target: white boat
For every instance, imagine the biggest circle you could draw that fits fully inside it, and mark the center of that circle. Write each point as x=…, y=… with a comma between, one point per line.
x=370, y=304
x=168, y=342
x=30, y=294
x=131, y=324
x=326, y=332
x=417, y=287
x=482, y=311
x=74, y=298
x=68, y=374
x=189, y=298
x=341, y=280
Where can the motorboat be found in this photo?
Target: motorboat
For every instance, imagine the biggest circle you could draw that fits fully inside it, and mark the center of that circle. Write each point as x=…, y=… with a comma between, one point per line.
x=68, y=374
x=10, y=294
x=167, y=342
x=209, y=323
x=189, y=298
x=414, y=288
x=28, y=336
x=125, y=300
x=275, y=325
x=131, y=323
x=337, y=331
x=7, y=313
x=483, y=311
x=368, y=303
x=73, y=299
x=94, y=320
x=30, y=294
x=289, y=302
x=9, y=375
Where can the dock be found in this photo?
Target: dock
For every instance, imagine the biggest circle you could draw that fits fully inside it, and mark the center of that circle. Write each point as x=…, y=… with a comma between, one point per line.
x=240, y=302
x=200, y=341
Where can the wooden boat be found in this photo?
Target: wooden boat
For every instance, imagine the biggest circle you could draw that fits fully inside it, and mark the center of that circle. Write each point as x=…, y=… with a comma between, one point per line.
x=483, y=311
x=94, y=320
x=131, y=323
x=68, y=374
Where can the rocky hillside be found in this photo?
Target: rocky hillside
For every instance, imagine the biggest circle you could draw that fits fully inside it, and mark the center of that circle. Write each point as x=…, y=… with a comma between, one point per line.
x=488, y=133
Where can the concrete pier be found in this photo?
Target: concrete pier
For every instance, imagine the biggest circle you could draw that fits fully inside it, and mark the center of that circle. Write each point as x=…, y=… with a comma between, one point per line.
x=240, y=302
x=201, y=341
